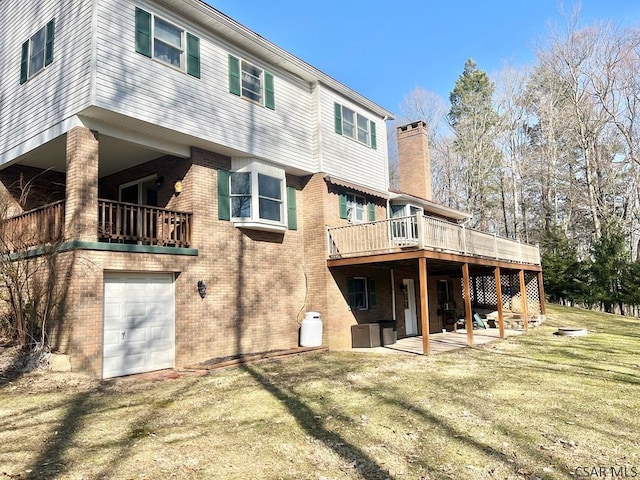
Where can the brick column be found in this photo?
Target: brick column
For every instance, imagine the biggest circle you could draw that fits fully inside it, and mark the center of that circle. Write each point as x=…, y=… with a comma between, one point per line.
x=81, y=209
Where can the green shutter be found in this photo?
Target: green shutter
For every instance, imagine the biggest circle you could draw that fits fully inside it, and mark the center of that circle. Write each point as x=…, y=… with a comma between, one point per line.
x=193, y=55
x=143, y=32
x=269, y=96
x=371, y=287
x=351, y=294
x=343, y=206
x=372, y=212
x=234, y=75
x=224, y=198
x=291, y=209
x=48, y=52
x=373, y=134
x=24, y=63
x=337, y=114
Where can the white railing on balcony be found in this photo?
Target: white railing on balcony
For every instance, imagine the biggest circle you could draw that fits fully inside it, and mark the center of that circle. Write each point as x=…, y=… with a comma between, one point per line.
x=427, y=233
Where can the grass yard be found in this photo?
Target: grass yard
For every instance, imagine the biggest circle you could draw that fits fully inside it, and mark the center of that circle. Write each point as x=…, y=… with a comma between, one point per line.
x=536, y=406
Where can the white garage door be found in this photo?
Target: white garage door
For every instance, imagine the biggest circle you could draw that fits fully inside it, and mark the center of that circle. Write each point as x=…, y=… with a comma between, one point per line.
x=138, y=323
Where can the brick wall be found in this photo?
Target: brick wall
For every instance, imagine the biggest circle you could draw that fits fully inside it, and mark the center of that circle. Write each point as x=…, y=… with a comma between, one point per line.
x=414, y=160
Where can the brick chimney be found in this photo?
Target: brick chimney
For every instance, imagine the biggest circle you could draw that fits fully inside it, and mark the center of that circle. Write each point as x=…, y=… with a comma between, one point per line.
x=414, y=160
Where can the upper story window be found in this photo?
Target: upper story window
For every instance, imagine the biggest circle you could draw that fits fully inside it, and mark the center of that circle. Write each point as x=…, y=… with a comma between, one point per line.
x=356, y=209
x=351, y=124
x=249, y=81
x=37, y=52
x=255, y=196
x=157, y=38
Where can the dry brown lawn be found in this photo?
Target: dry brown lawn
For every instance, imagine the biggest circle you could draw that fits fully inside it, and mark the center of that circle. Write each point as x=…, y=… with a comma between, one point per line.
x=536, y=406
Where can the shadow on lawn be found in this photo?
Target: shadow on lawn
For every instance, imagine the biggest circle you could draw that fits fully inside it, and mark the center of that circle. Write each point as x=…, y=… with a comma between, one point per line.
x=365, y=466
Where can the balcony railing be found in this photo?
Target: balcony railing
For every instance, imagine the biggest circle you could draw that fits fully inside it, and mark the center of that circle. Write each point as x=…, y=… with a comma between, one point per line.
x=37, y=227
x=425, y=233
x=142, y=224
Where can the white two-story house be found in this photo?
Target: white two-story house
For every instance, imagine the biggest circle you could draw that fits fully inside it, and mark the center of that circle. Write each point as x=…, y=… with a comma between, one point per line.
x=187, y=190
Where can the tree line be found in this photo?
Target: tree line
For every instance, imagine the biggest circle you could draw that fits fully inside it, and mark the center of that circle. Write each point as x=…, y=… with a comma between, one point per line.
x=549, y=154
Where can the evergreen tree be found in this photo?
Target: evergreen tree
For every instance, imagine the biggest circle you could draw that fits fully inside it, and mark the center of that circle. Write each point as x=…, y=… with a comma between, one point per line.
x=610, y=260
x=473, y=120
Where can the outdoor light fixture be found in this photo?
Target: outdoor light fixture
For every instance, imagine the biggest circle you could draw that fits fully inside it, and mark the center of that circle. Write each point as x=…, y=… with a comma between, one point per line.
x=202, y=288
x=177, y=187
x=159, y=181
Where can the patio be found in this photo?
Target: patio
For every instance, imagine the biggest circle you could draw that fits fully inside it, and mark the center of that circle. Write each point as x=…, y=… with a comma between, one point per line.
x=441, y=342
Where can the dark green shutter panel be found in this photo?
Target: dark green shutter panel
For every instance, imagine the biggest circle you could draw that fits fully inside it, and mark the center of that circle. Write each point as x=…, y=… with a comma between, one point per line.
x=372, y=212
x=291, y=209
x=269, y=96
x=224, y=198
x=373, y=135
x=143, y=32
x=193, y=55
x=343, y=206
x=371, y=285
x=351, y=294
x=48, y=52
x=234, y=75
x=24, y=63
x=337, y=114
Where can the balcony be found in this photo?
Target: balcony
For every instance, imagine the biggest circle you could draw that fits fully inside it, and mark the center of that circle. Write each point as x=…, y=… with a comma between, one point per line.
x=38, y=227
x=118, y=222
x=420, y=232
x=122, y=222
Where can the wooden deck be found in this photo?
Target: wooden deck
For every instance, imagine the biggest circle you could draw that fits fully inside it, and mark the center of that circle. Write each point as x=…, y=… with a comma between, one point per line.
x=440, y=342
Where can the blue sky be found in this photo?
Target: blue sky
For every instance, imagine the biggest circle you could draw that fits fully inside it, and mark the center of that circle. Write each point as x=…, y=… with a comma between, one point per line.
x=384, y=49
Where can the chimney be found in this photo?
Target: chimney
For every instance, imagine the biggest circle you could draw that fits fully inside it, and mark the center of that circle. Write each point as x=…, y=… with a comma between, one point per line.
x=414, y=160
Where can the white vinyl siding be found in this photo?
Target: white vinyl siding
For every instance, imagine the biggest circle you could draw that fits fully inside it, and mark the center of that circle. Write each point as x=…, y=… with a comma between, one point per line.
x=128, y=83
x=346, y=158
x=60, y=90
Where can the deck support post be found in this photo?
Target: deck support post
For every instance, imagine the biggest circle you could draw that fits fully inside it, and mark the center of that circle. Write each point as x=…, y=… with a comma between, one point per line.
x=467, y=304
x=525, y=301
x=424, y=306
x=543, y=305
x=496, y=274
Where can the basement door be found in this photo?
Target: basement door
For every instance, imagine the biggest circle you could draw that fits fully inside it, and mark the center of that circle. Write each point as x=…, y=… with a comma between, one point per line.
x=138, y=328
x=410, y=310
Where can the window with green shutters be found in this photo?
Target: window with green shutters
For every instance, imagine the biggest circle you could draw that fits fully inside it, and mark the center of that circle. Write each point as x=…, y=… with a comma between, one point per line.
x=166, y=42
x=37, y=52
x=351, y=124
x=251, y=82
x=361, y=293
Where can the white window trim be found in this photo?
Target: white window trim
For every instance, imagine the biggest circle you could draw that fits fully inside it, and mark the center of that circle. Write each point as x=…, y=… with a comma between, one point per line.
x=357, y=116
x=255, y=167
x=183, y=46
x=352, y=207
x=260, y=79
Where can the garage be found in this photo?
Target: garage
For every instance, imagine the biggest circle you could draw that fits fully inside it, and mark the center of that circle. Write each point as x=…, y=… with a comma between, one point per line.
x=139, y=318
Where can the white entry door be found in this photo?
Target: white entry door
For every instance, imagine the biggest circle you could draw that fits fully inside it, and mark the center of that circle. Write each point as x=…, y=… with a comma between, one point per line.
x=410, y=314
x=138, y=329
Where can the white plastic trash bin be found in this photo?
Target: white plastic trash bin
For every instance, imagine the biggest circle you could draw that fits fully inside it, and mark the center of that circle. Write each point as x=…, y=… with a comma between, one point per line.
x=311, y=330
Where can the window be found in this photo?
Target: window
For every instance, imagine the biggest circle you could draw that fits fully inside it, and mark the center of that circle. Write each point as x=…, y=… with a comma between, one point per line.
x=354, y=125
x=361, y=293
x=37, y=52
x=249, y=81
x=168, y=43
x=254, y=197
x=355, y=208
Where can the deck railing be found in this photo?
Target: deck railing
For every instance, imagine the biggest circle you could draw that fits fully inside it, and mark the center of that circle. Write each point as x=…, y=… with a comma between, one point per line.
x=131, y=223
x=37, y=227
x=427, y=233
